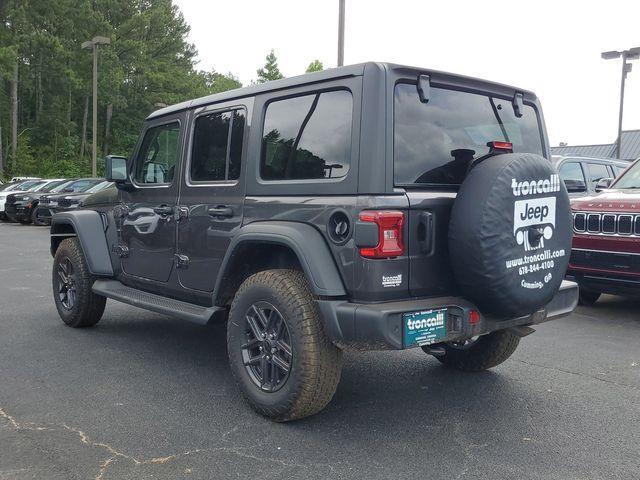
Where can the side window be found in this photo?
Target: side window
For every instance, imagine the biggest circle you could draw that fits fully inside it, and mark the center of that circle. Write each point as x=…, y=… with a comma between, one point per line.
x=157, y=159
x=217, y=146
x=307, y=137
x=617, y=170
x=597, y=171
x=572, y=175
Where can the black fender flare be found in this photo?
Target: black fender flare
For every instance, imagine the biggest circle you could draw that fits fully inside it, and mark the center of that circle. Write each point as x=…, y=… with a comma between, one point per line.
x=306, y=243
x=87, y=225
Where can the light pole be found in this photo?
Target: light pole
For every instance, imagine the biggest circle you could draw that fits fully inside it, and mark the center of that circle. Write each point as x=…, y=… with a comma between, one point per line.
x=631, y=54
x=341, y=32
x=93, y=45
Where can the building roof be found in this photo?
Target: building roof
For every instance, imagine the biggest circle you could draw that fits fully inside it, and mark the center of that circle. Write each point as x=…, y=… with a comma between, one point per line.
x=630, y=148
x=630, y=144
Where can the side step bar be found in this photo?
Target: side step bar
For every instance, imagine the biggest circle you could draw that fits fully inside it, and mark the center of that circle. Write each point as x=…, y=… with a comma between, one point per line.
x=156, y=303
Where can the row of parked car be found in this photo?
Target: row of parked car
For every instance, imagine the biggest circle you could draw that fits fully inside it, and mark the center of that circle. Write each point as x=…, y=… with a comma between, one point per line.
x=35, y=200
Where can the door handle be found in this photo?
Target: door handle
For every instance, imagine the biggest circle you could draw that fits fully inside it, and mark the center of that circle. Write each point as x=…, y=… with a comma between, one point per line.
x=221, y=211
x=163, y=210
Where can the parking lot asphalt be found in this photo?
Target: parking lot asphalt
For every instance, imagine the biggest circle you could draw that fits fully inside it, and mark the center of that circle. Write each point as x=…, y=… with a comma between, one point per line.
x=144, y=396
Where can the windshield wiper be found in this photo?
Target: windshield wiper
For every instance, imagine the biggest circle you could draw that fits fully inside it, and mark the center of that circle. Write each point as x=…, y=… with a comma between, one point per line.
x=497, y=115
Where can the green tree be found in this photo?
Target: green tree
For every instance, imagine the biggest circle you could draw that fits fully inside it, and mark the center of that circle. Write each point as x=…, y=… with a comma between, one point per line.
x=315, y=66
x=270, y=71
x=149, y=61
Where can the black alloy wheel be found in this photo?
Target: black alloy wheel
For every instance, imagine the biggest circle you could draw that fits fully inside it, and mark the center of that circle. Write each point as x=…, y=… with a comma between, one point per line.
x=66, y=284
x=267, y=353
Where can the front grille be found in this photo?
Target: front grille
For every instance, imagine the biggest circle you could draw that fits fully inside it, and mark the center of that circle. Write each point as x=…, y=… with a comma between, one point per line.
x=65, y=202
x=606, y=223
x=45, y=200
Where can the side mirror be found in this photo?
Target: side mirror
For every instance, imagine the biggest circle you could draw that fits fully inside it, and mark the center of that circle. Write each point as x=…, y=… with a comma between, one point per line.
x=603, y=184
x=116, y=171
x=575, y=186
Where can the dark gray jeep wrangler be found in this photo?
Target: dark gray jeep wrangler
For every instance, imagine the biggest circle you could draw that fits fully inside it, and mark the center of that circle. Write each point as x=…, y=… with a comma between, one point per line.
x=374, y=206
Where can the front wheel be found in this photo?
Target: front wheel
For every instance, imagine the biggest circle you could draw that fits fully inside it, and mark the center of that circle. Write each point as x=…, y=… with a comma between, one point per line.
x=77, y=305
x=281, y=358
x=587, y=297
x=480, y=353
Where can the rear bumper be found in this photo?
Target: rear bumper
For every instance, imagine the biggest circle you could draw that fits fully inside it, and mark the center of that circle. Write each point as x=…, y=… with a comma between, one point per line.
x=379, y=326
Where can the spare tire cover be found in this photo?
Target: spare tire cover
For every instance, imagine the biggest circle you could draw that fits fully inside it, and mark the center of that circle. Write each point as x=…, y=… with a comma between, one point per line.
x=510, y=234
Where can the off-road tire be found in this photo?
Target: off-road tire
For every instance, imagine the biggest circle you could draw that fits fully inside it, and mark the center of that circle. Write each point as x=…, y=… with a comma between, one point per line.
x=587, y=298
x=486, y=352
x=88, y=307
x=316, y=363
x=34, y=216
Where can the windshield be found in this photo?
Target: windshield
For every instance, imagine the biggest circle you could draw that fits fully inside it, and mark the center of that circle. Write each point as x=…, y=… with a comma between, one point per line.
x=33, y=187
x=46, y=186
x=100, y=186
x=82, y=185
x=630, y=178
x=434, y=142
x=24, y=186
x=49, y=187
x=62, y=186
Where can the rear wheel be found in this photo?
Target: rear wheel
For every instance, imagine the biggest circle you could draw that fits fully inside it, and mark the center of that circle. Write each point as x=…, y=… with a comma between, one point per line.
x=587, y=297
x=281, y=358
x=77, y=305
x=480, y=353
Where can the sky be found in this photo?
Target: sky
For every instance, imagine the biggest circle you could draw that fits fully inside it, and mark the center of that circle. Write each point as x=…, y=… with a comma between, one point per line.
x=550, y=47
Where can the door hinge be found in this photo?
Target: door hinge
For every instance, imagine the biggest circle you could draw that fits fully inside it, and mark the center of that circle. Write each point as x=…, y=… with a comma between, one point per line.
x=182, y=261
x=182, y=213
x=121, y=250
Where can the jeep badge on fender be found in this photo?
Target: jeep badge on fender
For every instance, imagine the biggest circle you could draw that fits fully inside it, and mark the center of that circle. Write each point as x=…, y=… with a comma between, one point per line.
x=312, y=217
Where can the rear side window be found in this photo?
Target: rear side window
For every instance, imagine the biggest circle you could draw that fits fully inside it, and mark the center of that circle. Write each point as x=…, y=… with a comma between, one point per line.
x=571, y=173
x=434, y=142
x=158, y=156
x=597, y=172
x=307, y=137
x=217, y=146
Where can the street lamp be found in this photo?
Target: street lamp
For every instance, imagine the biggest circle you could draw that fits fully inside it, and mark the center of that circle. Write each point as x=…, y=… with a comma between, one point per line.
x=93, y=45
x=340, y=32
x=631, y=54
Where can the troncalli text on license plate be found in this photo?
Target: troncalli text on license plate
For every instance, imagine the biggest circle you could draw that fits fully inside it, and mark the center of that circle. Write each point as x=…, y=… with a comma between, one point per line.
x=424, y=327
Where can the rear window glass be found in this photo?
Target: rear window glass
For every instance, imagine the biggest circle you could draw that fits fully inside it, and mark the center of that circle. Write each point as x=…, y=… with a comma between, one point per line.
x=307, y=137
x=434, y=142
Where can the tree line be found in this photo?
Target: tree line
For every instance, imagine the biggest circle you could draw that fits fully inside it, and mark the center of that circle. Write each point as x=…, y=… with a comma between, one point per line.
x=46, y=78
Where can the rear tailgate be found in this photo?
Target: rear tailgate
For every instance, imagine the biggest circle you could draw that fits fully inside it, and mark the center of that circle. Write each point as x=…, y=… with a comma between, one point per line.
x=429, y=269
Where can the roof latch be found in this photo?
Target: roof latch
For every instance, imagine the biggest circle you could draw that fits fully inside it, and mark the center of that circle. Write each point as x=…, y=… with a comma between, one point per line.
x=424, y=87
x=517, y=104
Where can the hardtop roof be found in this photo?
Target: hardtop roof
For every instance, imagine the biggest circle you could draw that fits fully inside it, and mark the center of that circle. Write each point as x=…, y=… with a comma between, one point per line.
x=324, y=75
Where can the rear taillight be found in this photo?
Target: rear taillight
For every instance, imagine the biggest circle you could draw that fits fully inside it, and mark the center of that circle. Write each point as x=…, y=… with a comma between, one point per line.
x=389, y=224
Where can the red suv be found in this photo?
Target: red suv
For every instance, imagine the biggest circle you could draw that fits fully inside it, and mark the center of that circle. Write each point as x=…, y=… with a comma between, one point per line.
x=605, y=256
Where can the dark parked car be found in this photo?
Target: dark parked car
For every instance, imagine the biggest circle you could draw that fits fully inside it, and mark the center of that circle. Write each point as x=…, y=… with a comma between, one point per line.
x=606, y=245
x=374, y=206
x=581, y=175
x=21, y=207
x=74, y=200
x=48, y=203
x=17, y=187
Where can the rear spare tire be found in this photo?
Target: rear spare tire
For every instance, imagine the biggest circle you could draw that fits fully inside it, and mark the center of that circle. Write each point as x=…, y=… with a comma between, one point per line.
x=510, y=234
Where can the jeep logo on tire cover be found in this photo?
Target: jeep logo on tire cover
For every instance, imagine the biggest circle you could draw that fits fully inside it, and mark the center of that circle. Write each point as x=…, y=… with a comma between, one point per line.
x=538, y=211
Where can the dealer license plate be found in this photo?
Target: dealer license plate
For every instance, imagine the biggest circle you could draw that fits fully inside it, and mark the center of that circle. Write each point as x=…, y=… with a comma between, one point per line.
x=424, y=327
